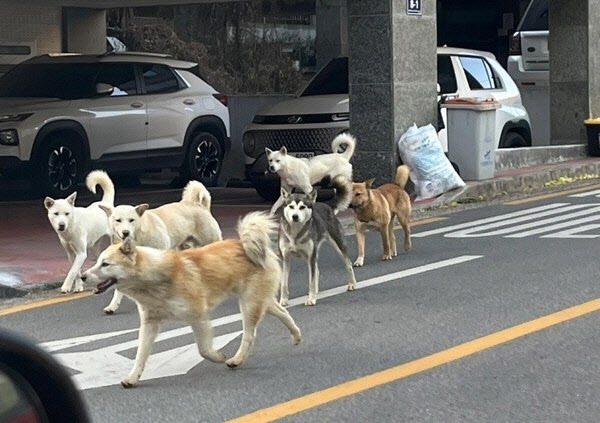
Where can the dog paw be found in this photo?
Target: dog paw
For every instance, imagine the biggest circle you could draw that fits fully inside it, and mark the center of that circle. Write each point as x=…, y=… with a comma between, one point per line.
x=359, y=262
x=216, y=357
x=311, y=302
x=127, y=383
x=231, y=363
x=109, y=310
x=283, y=302
x=64, y=291
x=386, y=257
x=296, y=339
x=78, y=289
x=352, y=287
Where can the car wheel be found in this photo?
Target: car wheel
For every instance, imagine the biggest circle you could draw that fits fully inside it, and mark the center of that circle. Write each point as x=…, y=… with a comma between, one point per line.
x=269, y=192
x=204, y=159
x=514, y=140
x=59, y=165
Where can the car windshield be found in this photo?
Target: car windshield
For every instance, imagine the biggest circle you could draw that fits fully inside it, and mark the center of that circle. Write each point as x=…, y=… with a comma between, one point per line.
x=66, y=81
x=332, y=79
x=536, y=17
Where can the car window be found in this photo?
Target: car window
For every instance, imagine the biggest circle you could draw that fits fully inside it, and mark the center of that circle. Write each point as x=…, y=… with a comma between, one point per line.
x=536, y=17
x=479, y=73
x=51, y=80
x=159, y=79
x=120, y=76
x=332, y=79
x=446, y=76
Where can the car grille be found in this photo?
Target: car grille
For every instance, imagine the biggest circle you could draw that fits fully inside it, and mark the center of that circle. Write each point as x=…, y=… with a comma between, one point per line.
x=315, y=139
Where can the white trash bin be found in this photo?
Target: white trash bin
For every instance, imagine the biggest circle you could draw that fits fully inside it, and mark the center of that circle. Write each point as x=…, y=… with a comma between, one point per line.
x=471, y=136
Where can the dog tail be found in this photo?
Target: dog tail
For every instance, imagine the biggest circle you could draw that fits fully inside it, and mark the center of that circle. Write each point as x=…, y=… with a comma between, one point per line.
x=402, y=174
x=255, y=231
x=343, y=194
x=100, y=177
x=196, y=193
x=346, y=139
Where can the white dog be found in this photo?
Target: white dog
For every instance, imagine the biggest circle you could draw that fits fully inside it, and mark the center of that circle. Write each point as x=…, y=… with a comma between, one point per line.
x=184, y=224
x=81, y=229
x=304, y=173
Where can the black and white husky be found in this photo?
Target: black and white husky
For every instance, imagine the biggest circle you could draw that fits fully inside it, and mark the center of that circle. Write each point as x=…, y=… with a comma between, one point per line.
x=303, y=228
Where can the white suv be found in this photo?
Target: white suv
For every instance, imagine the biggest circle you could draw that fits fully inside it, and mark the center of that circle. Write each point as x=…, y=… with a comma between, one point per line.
x=61, y=115
x=307, y=124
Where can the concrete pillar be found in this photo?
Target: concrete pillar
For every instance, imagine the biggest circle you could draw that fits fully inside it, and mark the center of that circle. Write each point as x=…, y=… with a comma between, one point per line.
x=85, y=30
x=574, y=46
x=393, y=77
x=332, y=31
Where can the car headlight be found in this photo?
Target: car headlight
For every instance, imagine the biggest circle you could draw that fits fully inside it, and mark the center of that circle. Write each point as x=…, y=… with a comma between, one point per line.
x=259, y=119
x=14, y=117
x=249, y=143
x=9, y=137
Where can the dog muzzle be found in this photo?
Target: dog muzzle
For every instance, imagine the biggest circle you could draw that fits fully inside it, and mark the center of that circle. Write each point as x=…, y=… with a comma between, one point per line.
x=103, y=286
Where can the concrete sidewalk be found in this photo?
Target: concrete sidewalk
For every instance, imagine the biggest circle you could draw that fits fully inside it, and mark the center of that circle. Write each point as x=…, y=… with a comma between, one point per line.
x=32, y=258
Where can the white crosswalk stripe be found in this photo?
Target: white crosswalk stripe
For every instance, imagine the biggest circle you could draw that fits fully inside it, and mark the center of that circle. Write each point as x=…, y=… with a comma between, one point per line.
x=556, y=220
x=594, y=193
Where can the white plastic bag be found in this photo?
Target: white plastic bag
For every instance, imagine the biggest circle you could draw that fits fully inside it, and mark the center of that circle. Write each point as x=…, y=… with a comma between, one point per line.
x=431, y=171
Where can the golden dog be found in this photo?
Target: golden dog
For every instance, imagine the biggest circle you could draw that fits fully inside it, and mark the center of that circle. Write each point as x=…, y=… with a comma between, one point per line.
x=187, y=285
x=378, y=207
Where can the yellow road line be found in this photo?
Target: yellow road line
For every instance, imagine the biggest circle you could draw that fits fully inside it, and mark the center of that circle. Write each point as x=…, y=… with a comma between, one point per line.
x=44, y=303
x=552, y=195
x=420, y=365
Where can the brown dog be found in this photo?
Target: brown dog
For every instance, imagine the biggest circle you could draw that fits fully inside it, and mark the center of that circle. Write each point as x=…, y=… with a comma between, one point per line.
x=377, y=207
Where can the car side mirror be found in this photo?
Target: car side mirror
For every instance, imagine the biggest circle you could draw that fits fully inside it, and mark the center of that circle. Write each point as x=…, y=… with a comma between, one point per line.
x=104, y=89
x=34, y=386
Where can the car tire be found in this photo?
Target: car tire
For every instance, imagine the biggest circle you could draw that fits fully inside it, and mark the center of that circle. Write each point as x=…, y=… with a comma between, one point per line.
x=59, y=165
x=269, y=192
x=514, y=140
x=204, y=159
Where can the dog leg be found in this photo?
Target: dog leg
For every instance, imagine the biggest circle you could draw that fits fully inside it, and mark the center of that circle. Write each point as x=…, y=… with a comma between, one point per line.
x=251, y=315
x=406, y=227
x=313, y=280
x=340, y=247
x=74, y=273
x=360, y=242
x=392, y=238
x=114, y=303
x=204, y=340
x=284, y=293
x=277, y=204
x=385, y=238
x=148, y=332
x=283, y=315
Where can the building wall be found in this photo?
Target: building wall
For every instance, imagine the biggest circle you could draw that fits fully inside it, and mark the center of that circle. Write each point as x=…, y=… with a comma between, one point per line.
x=20, y=22
x=85, y=30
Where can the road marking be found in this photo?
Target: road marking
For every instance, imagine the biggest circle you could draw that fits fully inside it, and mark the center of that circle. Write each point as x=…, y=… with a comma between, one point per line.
x=105, y=366
x=411, y=368
x=551, y=195
x=595, y=193
x=487, y=220
x=44, y=303
x=424, y=222
x=533, y=221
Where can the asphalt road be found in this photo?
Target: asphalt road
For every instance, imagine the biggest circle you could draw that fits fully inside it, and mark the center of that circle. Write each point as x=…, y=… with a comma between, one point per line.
x=478, y=272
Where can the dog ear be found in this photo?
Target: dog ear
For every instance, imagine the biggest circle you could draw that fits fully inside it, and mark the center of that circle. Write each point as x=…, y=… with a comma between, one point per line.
x=268, y=150
x=127, y=247
x=313, y=195
x=141, y=209
x=369, y=183
x=71, y=198
x=283, y=150
x=48, y=202
x=106, y=210
x=284, y=192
